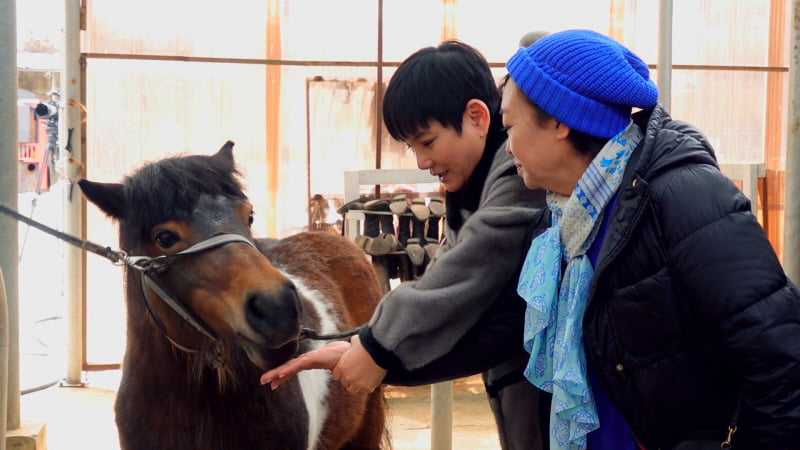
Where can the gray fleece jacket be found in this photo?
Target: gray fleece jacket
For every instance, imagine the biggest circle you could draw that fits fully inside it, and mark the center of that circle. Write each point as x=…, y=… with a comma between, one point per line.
x=421, y=321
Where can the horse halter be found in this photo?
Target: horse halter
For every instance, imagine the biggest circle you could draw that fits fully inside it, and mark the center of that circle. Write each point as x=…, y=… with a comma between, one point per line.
x=151, y=266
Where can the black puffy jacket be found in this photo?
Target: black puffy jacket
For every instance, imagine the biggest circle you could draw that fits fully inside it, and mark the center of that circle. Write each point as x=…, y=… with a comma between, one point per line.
x=689, y=304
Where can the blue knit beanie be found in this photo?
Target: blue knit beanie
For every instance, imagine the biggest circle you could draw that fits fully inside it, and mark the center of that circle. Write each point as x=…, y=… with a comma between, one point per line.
x=584, y=79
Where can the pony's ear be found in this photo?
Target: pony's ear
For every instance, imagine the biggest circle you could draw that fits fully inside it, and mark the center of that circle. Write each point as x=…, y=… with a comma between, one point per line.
x=107, y=196
x=226, y=152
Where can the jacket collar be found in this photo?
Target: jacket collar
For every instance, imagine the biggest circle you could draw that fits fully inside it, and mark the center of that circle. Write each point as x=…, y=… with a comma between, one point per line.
x=469, y=196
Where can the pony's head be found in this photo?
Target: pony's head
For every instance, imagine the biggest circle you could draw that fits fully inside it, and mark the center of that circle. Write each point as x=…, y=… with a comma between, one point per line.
x=170, y=205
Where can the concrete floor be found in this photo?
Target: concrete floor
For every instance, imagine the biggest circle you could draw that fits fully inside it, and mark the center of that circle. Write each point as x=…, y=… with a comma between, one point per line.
x=77, y=418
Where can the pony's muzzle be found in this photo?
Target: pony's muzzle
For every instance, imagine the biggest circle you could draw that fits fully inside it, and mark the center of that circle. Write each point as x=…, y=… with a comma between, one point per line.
x=275, y=316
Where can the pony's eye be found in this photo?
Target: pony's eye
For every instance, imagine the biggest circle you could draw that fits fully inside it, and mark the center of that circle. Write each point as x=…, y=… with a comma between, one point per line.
x=251, y=218
x=166, y=239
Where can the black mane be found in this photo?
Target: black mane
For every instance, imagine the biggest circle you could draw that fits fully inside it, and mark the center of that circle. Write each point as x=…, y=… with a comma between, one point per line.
x=170, y=189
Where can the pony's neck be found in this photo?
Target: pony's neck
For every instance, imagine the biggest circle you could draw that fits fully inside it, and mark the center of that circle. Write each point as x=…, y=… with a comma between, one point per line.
x=185, y=408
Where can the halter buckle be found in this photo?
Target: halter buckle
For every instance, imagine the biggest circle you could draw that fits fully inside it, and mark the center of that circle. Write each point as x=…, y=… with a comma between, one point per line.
x=146, y=263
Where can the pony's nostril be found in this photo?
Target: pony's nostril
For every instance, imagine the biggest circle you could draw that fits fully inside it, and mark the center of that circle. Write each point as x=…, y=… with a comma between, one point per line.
x=257, y=307
x=275, y=316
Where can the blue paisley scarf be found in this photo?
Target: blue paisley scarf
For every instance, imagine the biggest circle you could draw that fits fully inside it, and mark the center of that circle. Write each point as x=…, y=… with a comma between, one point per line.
x=553, y=334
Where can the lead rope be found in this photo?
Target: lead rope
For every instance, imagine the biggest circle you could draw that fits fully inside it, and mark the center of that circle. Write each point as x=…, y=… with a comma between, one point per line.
x=732, y=428
x=148, y=265
x=105, y=252
x=308, y=333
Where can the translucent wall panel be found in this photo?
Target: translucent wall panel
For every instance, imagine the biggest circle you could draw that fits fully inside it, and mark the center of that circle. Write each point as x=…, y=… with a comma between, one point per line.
x=235, y=28
x=635, y=23
x=721, y=32
x=331, y=123
x=40, y=26
x=139, y=111
x=729, y=107
x=143, y=110
x=409, y=25
x=342, y=116
x=343, y=30
x=496, y=27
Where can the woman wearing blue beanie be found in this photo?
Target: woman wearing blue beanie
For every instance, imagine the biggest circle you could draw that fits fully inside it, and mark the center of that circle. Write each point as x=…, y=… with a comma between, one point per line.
x=658, y=313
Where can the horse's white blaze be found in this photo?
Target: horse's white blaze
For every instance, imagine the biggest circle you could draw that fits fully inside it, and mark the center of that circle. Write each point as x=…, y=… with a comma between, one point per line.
x=314, y=386
x=314, y=383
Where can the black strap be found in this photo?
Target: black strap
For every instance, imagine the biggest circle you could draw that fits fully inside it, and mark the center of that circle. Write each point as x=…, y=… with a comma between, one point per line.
x=493, y=389
x=539, y=223
x=308, y=333
x=733, y=427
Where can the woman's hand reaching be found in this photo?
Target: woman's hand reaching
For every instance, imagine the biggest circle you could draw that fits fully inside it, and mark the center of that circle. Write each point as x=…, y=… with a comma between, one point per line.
x=349, y=363
x=322, y=358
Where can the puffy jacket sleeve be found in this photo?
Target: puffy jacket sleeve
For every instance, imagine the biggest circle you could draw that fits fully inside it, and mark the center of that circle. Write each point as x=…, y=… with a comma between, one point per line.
x=420, y=321
x=736, y=286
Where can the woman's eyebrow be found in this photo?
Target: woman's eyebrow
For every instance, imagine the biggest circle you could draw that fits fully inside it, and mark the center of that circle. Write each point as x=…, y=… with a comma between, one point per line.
x=420, y=134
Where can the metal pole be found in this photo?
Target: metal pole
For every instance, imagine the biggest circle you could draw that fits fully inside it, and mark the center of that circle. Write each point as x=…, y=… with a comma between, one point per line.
x=72, y=137
x=791, y=230
x=442, y=416
x=9, y=193
x=664, y=66
x=3, y=357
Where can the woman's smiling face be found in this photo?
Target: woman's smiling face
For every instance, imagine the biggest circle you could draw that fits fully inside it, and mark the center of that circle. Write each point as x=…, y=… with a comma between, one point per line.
x=449, y=155
x=544, y=157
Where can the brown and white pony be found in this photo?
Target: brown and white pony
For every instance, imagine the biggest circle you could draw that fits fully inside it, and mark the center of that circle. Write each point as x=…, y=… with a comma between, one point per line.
x=240, y=306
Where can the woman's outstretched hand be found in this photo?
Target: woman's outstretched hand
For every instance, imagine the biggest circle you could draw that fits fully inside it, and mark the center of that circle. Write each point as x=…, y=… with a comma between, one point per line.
x=322, y=358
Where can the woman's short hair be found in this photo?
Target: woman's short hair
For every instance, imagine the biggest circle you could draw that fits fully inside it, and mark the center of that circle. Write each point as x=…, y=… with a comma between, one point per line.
x=435, y=83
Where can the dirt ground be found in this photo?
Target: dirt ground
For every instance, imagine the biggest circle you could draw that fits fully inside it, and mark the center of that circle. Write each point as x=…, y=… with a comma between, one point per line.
x=76, y=418
x=473, y=426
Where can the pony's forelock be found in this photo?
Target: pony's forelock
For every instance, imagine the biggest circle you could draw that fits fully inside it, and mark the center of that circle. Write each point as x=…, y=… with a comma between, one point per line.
x=169, y=189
